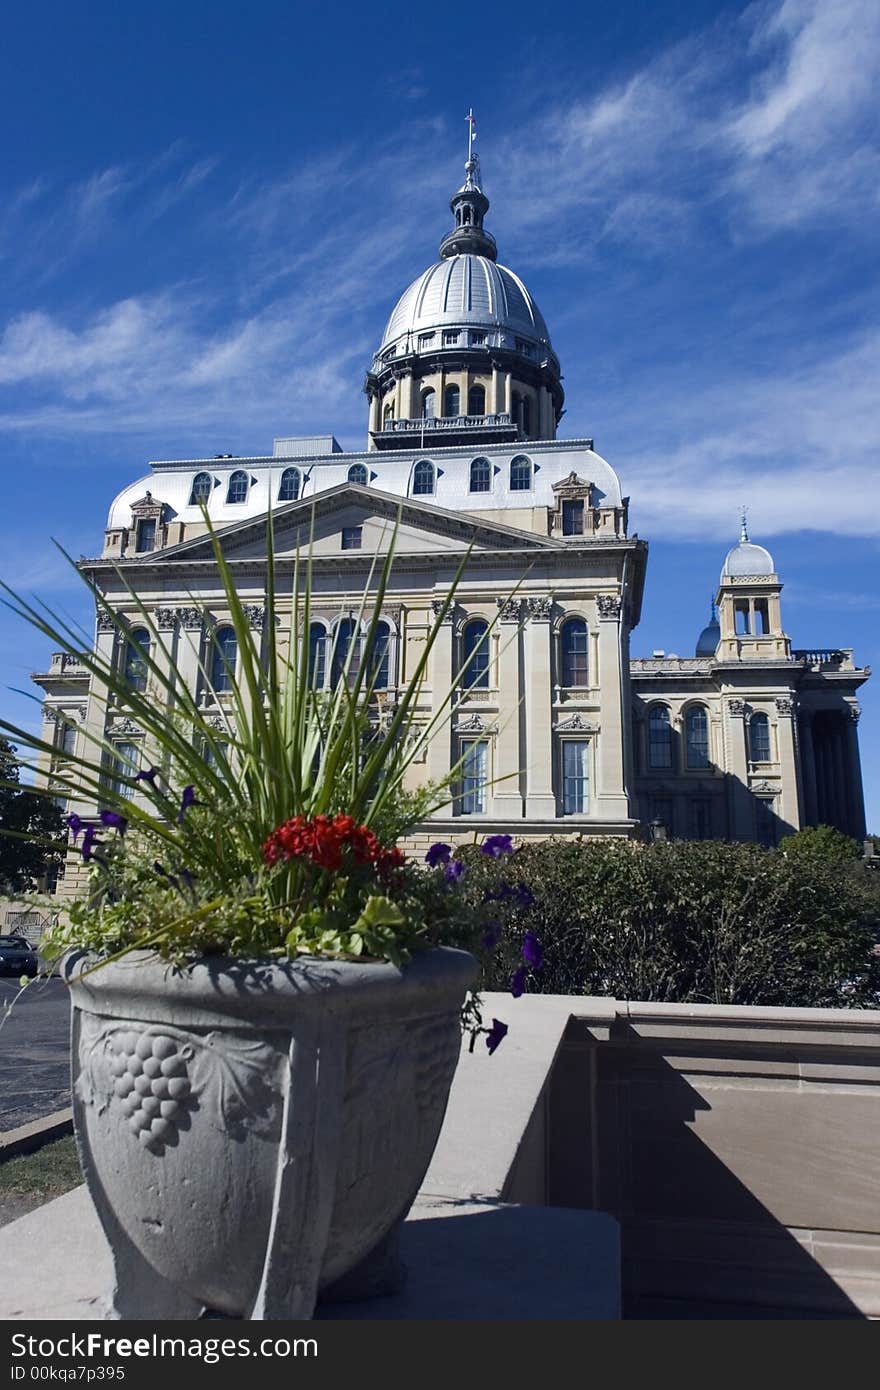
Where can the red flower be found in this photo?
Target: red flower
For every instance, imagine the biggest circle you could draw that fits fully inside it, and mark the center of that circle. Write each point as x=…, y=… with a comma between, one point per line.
x=326, y=841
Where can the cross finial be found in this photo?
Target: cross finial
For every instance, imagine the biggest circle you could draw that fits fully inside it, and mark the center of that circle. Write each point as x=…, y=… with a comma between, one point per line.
x=744, y=530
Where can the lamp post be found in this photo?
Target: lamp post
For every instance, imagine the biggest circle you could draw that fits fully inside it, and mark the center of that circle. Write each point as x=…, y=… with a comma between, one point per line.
x=658, y=829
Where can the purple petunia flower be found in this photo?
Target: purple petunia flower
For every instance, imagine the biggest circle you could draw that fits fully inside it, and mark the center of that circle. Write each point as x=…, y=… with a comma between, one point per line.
x=518, y=982
x=188, y=799
x=532, y=951
x=454, y=870
x=523, y=896
x=90, y=844
x=114, y=820
x=148, y=774
x=438, y=854
x=496, y=1034
x=496, y=845
x=74, y=825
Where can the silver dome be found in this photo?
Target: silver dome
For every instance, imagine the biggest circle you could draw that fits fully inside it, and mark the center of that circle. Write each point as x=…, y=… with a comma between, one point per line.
x=465, y=291
x=747, y=558
x=707, y=642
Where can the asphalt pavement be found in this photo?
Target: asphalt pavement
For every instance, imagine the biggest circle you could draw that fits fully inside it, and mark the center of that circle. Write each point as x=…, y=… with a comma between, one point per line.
x=34, y=1051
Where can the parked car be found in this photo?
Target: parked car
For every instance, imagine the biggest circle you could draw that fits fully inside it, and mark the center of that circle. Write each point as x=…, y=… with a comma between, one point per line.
x=17, y=956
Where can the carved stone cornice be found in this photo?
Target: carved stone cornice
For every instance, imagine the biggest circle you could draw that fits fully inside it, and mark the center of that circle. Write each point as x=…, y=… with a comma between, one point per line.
x=165, y=618
x=785, y=706
x=255, y=613
x=474, y=724
x=509, y=609
x=540, y=608
x=737, y=708
x=190, y=618
x=609, y=606
x=576, y=724
x=437, y=604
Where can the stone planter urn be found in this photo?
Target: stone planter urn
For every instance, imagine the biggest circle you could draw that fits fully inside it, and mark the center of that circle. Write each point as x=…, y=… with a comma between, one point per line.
x=253, y=1132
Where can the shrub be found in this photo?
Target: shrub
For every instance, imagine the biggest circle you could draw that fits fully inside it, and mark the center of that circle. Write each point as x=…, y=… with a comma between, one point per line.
x=684, y=922
x=822, y=842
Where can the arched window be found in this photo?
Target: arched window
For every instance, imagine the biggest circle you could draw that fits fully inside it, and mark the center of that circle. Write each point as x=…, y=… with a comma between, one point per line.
x=759, y=738
x=345, y=639
x=388, y=412
x=575, y=653
x=481, y=475
x=521, y=474
x=203, y=486
x=317, y=654
x=696, y=726
x=659, y=738
x=288, y=490
x=358, y=474
x=136, y=654
x=429, y=403
x=477, y=400
x=237, y=490
x=380, y=657
x=475, y=673
x=423, y=478
x=223, y=659
x=452, y=401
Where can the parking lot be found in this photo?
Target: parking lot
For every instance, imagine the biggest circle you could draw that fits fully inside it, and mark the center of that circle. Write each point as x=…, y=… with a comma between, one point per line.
x=34, y=1058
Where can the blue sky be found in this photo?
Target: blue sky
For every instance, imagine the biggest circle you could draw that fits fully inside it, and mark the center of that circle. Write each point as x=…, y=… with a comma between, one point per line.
x=208, y=210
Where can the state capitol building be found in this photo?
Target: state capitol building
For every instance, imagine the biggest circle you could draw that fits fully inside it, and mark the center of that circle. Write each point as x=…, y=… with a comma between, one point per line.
x=561, y=730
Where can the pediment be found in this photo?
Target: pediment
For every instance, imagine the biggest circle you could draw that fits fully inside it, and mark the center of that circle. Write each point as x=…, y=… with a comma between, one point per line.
x=422, y=529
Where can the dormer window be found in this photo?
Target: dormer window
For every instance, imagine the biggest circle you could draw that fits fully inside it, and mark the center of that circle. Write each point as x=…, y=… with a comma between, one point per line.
x=426, y=340
x=389, y=353
x=478, y=339
x=450, y=338
x=146, y=535
x=481, y=475
x=525, y=348
x=203, y=486
x=237, y=491
x=288, y=490
x=352, y=537
x=573, y=517
x=358, y=474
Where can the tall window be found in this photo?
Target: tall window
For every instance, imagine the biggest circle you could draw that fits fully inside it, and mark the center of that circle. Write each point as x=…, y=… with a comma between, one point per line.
x=429, y=403
x=474, y=776
x=575, y=653
x=317, y=653
x=481, y=475
x=765, y=820
x=659, y=738
x=452, y=401
x=573, y=517
x=125, y=765
x=213, y=751
x=423, y=478
x=759, y=738
x=380, y=657
x=68, y=740
x=575, y=777
x=701, y=818
x=203, y=486
x=237, y=490
x=358, y=474
x=288, y=490
x=146, y=535
x=477, y=400
x=136, y=654
x=475, y=675
x=521, y=474
x=346, y=638
x=697, y=739
x=223, y=659
x=388, y=414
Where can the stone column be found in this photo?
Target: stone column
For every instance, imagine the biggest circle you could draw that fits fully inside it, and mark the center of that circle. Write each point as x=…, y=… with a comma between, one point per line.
x=544, y=412
x=440, y=751
x=855, y=798
x=409, y=389
x=611, y=801
x=189, y=649
x=791, y=807
x=508, y=394
x=740, y=801
x=496, y=404
x=841, y=781
x=375, y=412
x=507, y=795
x=539, y=750
x=93, y=728
x=808, y=767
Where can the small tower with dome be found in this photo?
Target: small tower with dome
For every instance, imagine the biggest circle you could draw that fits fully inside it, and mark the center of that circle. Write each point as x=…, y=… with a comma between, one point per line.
x=466, y=355
x=749, y=615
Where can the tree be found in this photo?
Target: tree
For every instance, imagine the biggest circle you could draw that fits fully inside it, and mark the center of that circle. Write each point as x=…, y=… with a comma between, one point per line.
x=25, y=813
x=822, y=842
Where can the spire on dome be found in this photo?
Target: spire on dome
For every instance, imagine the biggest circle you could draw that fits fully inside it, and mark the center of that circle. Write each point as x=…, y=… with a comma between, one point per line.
x=469, y=206
x=744, y=530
